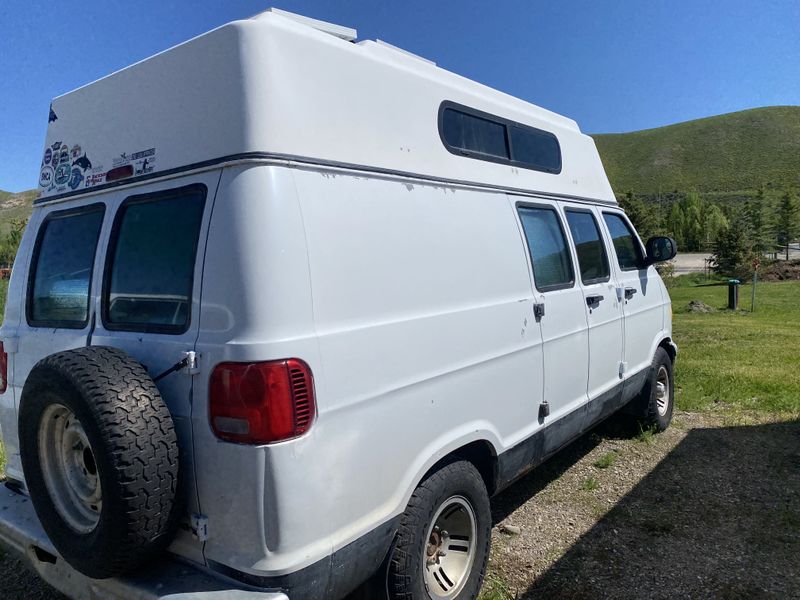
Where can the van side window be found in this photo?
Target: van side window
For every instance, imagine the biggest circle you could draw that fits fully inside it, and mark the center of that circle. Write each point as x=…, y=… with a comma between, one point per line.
x=535, y=149
x=592, y=257
x=547, y=244
x=61, y=275
x=151, y=260
x=629, y=251
x=473, y=133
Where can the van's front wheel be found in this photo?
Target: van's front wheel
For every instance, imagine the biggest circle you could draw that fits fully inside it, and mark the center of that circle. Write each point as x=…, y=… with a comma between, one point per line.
x=443, y=540
x=658, y=394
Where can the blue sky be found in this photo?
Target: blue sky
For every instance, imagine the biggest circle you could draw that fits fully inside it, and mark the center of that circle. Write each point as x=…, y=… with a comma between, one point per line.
x=613, y=65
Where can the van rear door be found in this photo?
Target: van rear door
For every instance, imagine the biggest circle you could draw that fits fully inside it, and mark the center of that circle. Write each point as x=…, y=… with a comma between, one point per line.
x=149, y=303
x=148, y=300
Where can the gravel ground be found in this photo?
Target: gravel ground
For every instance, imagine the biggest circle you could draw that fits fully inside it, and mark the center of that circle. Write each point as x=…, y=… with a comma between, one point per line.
x=708, y=509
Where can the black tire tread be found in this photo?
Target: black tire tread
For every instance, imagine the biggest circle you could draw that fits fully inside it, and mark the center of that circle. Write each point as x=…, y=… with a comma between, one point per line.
x=420, y=510
x=138, y=440
x=651, y=419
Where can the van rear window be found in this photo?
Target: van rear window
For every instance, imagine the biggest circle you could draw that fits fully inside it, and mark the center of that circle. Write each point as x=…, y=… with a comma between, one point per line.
x=58, y=289
x=150, y=269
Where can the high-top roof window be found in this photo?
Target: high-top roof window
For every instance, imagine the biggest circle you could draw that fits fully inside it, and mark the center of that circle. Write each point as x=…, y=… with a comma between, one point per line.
x=473, y=133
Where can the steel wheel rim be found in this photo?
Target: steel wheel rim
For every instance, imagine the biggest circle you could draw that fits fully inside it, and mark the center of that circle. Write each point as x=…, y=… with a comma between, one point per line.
x=662, y=390
x=449, y=550
x=69, y=468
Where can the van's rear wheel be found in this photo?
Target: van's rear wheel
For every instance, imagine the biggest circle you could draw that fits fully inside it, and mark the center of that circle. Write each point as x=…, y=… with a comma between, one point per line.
x=443, y=541
x=100, y=457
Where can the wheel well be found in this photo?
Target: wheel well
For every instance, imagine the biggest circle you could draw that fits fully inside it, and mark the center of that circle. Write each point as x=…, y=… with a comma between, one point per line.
x=483, y=457
x=668, y=345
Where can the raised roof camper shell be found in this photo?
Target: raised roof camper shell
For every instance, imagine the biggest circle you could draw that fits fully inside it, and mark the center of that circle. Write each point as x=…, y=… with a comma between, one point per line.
x=350, y=281
x=274, y=88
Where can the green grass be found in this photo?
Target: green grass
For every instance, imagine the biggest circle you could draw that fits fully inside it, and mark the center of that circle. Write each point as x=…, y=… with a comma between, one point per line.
x=495, y=588
x=740, y=360
x=645, y=436
x=722, y=154
x=606, y=460
x=591, y=484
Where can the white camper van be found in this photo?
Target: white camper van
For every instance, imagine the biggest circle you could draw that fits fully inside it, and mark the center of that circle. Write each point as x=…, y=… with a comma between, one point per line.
x=291, y=307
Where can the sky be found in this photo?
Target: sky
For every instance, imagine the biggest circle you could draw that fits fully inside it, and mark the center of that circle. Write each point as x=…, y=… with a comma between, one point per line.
x=612, y=65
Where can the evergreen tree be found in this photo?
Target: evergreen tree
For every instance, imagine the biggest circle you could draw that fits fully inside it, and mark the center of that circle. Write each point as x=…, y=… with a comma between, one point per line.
x=733, y=249
x=759, y=215
x=644, y=216
x=787, y=222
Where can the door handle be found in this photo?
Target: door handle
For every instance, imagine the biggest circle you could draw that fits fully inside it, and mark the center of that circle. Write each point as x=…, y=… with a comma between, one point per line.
x=629, y=293
x=594, y=300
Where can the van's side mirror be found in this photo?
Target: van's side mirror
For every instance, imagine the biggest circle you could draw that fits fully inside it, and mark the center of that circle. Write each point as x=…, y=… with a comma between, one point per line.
x=660, y=248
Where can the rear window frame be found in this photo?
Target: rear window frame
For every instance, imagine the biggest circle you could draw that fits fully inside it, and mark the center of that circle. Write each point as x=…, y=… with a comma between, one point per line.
x=34, y=267
x=508, y=124
x=111, y=248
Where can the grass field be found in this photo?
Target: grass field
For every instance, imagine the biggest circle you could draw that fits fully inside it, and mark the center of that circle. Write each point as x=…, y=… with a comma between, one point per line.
x=739, y=360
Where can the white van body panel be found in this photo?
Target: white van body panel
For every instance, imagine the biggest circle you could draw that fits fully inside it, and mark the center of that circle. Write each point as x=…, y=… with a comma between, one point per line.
x=421, y=317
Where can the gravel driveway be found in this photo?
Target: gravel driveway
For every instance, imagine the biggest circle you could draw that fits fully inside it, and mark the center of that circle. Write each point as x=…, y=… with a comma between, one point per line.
x=709, y=509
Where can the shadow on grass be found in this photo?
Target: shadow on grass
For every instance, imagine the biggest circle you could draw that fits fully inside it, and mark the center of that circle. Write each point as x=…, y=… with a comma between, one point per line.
x=719, y=517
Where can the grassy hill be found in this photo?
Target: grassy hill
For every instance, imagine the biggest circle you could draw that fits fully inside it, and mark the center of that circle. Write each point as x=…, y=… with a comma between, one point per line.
x=15, y=206
x=723, y=154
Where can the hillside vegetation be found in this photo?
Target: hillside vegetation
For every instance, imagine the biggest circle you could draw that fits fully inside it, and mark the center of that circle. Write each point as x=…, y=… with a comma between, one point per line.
x=727, y=153
x=14, y=207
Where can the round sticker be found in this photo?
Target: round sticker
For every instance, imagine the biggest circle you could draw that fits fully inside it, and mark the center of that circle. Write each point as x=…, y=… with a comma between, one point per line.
x=62, y=173
x=46, y=177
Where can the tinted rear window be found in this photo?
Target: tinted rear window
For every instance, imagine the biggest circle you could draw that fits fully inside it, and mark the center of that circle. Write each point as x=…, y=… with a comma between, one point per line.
x=152, y=260
x=63, y=261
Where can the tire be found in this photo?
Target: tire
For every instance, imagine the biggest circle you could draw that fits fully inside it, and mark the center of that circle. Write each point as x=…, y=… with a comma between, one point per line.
x=658, y=393
x=445, y=499
x=100, y=458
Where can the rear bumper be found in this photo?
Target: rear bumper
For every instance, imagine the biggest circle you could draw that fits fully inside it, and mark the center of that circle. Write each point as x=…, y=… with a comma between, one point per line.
x=21, y=532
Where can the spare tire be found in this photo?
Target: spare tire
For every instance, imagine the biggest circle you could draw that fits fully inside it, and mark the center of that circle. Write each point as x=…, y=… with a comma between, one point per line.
x=100, y=458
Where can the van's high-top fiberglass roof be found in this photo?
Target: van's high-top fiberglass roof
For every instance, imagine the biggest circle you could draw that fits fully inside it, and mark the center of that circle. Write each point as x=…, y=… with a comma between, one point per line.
x=287, y=88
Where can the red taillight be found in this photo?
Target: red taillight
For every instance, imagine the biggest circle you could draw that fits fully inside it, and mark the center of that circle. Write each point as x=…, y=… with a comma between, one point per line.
x=3, y=369
x=260, y=403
